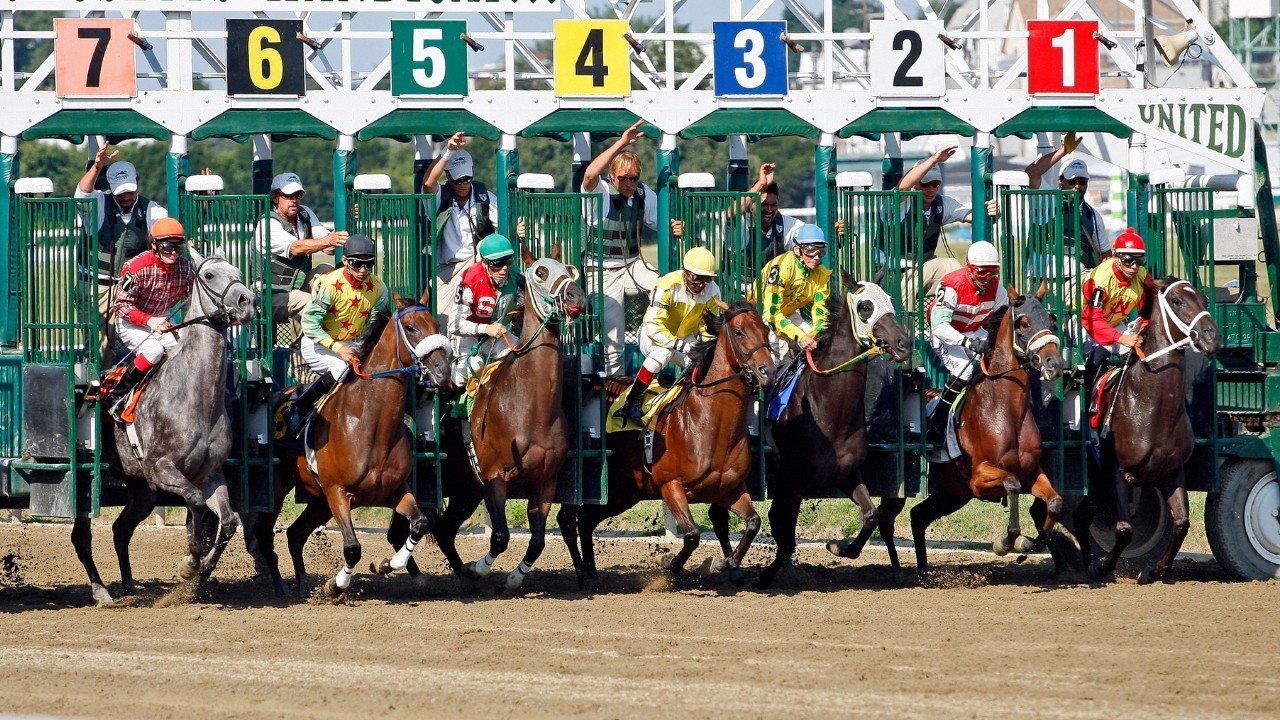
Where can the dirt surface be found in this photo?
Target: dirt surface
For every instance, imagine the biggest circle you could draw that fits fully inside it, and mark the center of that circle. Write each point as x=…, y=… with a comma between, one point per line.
x=988, y=639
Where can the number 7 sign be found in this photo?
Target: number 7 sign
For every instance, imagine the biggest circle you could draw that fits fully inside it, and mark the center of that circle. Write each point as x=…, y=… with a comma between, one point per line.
x=94, y=57
x=1062, y=56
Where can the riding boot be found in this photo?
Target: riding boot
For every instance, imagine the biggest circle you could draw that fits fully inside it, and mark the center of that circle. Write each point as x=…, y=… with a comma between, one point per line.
x=114, y=400
x=297, y=414
x=631, y=409
x=1094, y=364
x=937, y=429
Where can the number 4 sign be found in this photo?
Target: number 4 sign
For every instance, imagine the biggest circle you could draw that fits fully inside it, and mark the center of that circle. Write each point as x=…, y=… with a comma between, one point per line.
x=1062, y=56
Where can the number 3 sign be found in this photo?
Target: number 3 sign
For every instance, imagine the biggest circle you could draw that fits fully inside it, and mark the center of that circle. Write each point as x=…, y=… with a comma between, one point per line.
x=907, y=58
x=94, y=57
x=1062, y=56
x=750, y=58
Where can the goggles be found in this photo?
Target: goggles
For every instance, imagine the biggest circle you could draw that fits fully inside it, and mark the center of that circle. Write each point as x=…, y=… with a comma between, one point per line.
x=360, y=264
x=813, y=251
x=1130, y=260
x=165, y=246
x=984, y=272
x=499, y=264
x=693, y=279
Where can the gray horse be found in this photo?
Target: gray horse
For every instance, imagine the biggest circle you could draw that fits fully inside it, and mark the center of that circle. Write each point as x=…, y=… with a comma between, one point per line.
x=183, y=430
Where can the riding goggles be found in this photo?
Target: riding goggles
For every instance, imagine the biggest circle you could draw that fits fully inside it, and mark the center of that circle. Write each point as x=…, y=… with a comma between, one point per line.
x=1129, y=260
x=164, y=246
x=499, y=264
x=360, y=264
x=984, y=272
x=813, y=251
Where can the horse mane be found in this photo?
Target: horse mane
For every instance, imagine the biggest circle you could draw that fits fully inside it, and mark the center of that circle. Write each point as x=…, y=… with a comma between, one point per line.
x=1148, y=303
x=369, y=337
x=992, y=323
x=700, y=355
x=838, y=312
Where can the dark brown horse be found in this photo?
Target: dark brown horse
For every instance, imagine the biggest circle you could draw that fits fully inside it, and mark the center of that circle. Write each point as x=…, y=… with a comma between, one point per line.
x=820, y=440
x=518, y=427
x=363, y=451
x=997, y=431
x=1150, y=437
x=701, y=451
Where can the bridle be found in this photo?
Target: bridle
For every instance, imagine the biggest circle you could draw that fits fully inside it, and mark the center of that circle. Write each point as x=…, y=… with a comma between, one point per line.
x=864, y=331
x=745, y=372
x=1023, y=351
x=1167, y=315
x=224, y=312
x=418, y=354
x=549, y=302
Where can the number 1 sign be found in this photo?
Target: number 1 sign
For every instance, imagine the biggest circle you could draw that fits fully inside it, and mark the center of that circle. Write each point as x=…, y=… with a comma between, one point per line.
x=907, y=58
x=1062, y=56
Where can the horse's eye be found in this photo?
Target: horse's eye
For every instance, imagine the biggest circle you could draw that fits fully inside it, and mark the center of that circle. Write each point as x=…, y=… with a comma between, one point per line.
x=738, y=332
x=208, y=276
x=1177, y=301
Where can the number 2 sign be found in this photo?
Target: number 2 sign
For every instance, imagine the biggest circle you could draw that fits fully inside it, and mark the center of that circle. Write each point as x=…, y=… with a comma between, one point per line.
x=1062, y=56
x=750, y=58
x=907, y=58
x=94, y=57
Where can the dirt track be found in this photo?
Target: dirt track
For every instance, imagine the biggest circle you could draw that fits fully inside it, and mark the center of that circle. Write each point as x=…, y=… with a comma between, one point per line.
x=990, y=640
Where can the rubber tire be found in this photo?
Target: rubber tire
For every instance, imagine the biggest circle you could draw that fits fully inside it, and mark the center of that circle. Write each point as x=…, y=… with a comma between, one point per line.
x=1152, y=531
x=1229, y=521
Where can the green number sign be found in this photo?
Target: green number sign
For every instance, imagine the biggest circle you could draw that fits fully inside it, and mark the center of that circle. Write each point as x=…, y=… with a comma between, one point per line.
x=428, y=57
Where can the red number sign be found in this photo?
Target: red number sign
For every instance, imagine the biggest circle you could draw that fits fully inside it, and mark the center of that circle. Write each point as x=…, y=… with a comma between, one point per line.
x=94, y=57
x=1062, y=56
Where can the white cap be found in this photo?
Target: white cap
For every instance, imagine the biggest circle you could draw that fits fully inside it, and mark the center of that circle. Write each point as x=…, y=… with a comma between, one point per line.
x=934, y=174
x=459, y=165
x=286, y=183
x=122, y=176
x=1075, y=169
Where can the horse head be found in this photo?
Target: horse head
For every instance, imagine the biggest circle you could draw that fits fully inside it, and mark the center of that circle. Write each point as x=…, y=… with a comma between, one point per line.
x=419, y=331
x=747, y=338
x=1182, y=313
x=874, y=319
x=553, y=286
x=219, y=294
x=1034, y=329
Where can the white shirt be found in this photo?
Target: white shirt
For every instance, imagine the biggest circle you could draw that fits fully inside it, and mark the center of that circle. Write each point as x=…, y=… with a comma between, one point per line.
x=606, y=192
x=154, y=211
x=458, y=244
x=282, y=240
x=952, y=210
x=1045, y=211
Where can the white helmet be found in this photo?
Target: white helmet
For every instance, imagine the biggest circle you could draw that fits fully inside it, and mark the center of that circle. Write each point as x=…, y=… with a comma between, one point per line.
x=983, y=253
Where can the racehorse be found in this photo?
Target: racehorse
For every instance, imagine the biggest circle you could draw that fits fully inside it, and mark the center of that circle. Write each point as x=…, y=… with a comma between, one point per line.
x=1150, y=437
x=363, y=451
x=700, y=448
x=518, y=426
x=998, y=436
x=183, y=432
x=820, y=440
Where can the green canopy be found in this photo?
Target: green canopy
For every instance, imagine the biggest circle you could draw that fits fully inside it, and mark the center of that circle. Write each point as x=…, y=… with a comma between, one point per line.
x=1046, y=118
x=117, y=125
x=911, y=122
x=602, y=124
x=404, y=123
x=750, y=121
x=238, y=124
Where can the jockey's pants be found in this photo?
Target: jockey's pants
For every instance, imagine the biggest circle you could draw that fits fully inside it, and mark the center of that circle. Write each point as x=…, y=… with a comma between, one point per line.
x=322, y=359
x=958, y=359
x=634, y=277
x=490, y=349
x=143, y=341
x=781, y=344
x=657, y=356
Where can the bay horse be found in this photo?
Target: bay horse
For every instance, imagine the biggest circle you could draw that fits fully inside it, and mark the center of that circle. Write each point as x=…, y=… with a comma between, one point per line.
x=998, y=435
x=183, y=432
x=518, y=426
x=820, y=440
x=700, y=447
x=1150, y=438
x=363, y=451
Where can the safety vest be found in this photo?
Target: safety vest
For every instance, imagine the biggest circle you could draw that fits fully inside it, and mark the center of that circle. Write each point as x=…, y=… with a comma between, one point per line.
x=623, y=224
x=772, y=240
x=1088, y=248
x=120, y=239
x=289, y=273
x=448, y=198
x=932, y=229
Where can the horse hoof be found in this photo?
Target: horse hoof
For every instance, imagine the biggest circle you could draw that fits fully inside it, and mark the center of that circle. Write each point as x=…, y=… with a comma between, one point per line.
x=842, y=548
x=720, y=565
x=1000, y=547
x=1024, y=544
x=1148, y=576
x=587, y=584
x=1095, y=570
x=479, y=569
x=737, y=577
x=381, y=568
x=281, y=591
x=331, y=590
x=514, y=581
x=102, y=598
x=668, y=561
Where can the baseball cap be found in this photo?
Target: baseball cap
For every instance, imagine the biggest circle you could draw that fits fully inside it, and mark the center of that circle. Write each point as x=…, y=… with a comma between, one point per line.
x=287, y=183
x=934, y=175
x=459, y=165
x=122, y=176
x=1075, y=169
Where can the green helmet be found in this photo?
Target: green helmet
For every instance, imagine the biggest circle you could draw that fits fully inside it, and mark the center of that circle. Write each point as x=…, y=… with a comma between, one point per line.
x=495, y=247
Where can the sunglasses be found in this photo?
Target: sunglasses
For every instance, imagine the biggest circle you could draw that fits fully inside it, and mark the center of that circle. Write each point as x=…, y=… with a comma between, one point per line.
x=696, y=279
x=813, y=251
x=169, y=247
x=932, y=184
x=1131, y=260
x=628, y=178
x=360, y=264
x=498, y=264
x=462, y=181
x=1078, y=182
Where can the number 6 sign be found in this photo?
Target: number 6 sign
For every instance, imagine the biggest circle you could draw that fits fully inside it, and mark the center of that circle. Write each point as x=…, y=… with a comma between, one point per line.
x=94, y=57
x=1062, y=56
x=750, y=58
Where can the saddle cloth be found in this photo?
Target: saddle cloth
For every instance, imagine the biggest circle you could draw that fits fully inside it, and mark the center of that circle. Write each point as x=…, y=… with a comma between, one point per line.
x=656, y=397
x=780, y=397
x=950, y=449
x=1095, y=395
x=108, y=383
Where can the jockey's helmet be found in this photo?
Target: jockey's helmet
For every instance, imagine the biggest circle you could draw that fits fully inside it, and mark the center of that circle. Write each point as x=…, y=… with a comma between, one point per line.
x=168, y=229
x=495, y=247
x=1130, y=243
x=983, y=253
x=810, y=235
x=700, y=261
x=359, y=247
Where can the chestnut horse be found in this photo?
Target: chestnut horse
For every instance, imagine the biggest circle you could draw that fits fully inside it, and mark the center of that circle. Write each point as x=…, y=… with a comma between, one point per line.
x=363, y=451
x=1150, y=438
x=518, y=427
x=821, y=438
x=700, y=448
x=997, y=430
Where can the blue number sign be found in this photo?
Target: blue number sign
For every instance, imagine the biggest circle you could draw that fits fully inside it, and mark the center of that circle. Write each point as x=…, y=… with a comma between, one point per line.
x=750, y=58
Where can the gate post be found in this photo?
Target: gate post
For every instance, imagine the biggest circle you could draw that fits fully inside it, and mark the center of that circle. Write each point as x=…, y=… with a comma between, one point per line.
x=668, y=171
x=263, y=165
x=8, y=281
x=507, y=166
x=177, y=165
x=980, y=179
x=736, y=178
x=344, y=167
x=824, y=163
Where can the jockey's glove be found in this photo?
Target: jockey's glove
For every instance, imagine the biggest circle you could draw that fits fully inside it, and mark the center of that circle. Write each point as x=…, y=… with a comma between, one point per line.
x=976, y=345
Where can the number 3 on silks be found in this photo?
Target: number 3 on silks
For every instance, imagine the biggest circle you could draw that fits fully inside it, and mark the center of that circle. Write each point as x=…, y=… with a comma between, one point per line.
x=750, y=58
x=264, y=57
x=591, y=58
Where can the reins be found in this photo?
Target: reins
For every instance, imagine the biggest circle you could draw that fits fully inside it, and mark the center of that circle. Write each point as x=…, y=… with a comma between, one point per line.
x=1167, y=315
x=875, y=351
x=415, y=362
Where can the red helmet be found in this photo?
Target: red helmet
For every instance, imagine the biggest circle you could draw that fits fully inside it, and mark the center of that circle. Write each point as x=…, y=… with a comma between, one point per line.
x=1130, y=243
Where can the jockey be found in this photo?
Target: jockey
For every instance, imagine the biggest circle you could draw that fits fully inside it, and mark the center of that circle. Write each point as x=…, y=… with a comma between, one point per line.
x=151, y=285
x=964, y=299
x=674, y=321
x=343, y=302
x=792, y=281
x=485, y=296
x=1111, y=293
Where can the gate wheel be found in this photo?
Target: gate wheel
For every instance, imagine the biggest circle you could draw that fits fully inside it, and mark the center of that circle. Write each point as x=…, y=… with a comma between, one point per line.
x=1242, y=520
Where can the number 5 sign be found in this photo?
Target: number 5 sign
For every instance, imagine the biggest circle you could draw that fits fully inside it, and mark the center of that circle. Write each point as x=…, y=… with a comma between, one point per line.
x=1062, y=56
x=591, y=58
x=428, y=57
x=907, y=58
x=750, y=58
x=94, y=57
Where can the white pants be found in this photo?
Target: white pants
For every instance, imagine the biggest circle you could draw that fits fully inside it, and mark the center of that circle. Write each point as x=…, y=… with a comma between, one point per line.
x=322, y=359
x=465, y=364
x=635, y=278
x=656, y=356
x=780, y=344
x=448, y=278
x=140, y=339
x=958, y=359
x=1124, y=328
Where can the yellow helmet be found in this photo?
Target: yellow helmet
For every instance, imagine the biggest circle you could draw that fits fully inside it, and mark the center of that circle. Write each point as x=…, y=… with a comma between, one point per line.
x=700, y=261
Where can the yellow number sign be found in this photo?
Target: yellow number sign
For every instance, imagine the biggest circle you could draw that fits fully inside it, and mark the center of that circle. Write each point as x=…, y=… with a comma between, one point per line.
x=94, y=57
x=591, y=58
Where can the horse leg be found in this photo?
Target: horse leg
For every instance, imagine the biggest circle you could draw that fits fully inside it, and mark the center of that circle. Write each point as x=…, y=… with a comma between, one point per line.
x=1176, y=498
x=743, y=508
x=397, y=536
x=263, y=530
x=495, y=501
x=166, y=476
x=220, y=502
x=567, y=519
x=139, y=504
x=463, y=501
x=1082, y=520
x=937, y=505
x=870, y=521
x=315, y=514
x=719, y=517
x=340, y=503
x=538, y=510
x=889, y=509
x=1124, y=527
x=82, y=541
x=1044, y=510
x=783, y=514
x=673, y=496
x=588, y=517
x=417, y=527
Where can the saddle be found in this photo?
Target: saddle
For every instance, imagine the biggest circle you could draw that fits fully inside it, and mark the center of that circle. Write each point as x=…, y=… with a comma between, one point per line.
x=280, y=428
x=464, y=403
x=950, y=449
x=108, y=383
x=780, y=396
x=1107, y=379
x=659, y=399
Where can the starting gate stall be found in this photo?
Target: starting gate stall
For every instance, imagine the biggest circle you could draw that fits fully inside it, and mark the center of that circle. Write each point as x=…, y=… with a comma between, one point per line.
x=400, y=226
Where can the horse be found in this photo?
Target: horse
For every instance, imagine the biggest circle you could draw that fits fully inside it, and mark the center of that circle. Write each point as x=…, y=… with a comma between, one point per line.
x=518, y=428
x=998, y=436
x=363, y=451
x=183, y=433
x=820, y=440
x=1150, y=437
x=700, y=447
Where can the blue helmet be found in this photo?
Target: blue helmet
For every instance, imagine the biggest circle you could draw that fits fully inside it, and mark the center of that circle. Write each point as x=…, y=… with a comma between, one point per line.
x=810, y=235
